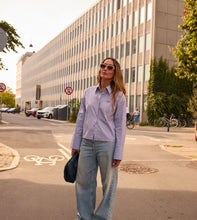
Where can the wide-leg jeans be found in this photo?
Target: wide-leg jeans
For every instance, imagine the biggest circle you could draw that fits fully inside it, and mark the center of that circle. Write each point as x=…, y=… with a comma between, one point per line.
x=94, y=154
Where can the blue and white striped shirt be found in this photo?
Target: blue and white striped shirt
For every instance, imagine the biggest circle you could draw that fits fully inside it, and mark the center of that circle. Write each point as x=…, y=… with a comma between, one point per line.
x=97, y=121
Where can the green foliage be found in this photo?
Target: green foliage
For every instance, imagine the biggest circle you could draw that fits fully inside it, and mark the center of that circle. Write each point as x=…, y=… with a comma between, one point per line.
x=74, y=107
x=166, y=92
x=186, y=49
x=8, y=98
x=12, y=40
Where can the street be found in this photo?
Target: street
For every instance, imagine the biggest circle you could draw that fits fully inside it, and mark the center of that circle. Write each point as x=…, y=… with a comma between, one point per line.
x=153, y=184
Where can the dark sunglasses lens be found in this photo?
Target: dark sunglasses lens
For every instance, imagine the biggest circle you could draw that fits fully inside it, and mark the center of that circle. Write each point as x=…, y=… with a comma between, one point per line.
x=110, y=67
x=103, y=66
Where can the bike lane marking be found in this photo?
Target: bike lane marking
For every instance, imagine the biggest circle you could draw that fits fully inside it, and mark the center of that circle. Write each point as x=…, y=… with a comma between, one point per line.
x=39, y=161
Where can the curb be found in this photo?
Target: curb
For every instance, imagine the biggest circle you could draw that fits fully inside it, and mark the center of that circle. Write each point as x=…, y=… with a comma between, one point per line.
x=15, y=161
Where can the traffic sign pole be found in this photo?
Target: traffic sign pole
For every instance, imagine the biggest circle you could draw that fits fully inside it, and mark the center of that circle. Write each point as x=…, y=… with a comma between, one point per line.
x=2, y=89
x=1, y=108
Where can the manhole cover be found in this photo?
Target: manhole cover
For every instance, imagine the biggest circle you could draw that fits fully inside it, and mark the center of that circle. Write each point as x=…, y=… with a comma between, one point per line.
x=137, y=169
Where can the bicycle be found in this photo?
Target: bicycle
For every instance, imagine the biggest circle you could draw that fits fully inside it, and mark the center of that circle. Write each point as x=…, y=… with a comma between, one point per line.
x=130, y=122
x=165, y=121
x=182, y=121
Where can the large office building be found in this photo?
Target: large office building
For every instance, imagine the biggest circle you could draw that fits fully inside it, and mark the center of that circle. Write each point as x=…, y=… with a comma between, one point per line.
x=132, y=31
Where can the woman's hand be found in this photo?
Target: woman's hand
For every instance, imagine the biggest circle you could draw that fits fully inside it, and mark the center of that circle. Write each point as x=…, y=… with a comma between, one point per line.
x=116, y=163
x=74, y=150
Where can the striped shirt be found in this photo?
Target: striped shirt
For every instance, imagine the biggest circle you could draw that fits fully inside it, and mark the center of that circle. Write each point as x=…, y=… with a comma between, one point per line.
x=97, y=121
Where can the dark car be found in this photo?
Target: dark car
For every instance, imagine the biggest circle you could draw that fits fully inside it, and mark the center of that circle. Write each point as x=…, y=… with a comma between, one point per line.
x=13, y=110
x=32, y=112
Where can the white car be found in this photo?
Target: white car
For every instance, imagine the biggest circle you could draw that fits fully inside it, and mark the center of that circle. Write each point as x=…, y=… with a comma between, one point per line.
x=45, y=113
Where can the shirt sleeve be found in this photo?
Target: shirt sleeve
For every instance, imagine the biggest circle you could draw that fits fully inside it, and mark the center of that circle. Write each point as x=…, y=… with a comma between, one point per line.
x=78, y=133
x=120, y=126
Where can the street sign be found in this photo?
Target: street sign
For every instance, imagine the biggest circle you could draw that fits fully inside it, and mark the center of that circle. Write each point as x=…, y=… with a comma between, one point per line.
x=68, y=90
x=2, y=87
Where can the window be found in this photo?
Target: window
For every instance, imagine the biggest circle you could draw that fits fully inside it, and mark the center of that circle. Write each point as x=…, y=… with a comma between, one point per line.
x=133, y=74
x=112, y=30
x=103, y=35
x=108, y=10
x=135, y=21
x=141, y=15
x=149, y=11
x=126, y=79
x=117, y=52
x=141, y=44
x=118, y=4
x=147, y=72
x=112, y=52
x=138, y=101
x=107, y=32
x=139, y=74
x=148, y=42
x=117, y=31
x=122, y=25
x=128, y=18
x=122, y=50
x=127, y=48
x=133, y=46
x=107, y=53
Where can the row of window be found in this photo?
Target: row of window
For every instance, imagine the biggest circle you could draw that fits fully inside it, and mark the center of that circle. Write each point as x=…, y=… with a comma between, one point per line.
x=82, y=84
x=93, y=61
x=105, y=12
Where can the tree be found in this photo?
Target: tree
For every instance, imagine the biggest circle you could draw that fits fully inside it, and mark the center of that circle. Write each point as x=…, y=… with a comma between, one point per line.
x=186, y=49
x=12, y=40
x=8, y=98
x=166, y=92
x=74, y=107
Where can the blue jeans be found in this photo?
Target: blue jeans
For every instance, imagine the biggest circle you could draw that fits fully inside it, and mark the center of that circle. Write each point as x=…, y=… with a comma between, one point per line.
x=94, y=154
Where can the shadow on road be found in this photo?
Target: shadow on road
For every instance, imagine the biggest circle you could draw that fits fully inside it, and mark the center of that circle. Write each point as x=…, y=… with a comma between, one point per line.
x=29, y=201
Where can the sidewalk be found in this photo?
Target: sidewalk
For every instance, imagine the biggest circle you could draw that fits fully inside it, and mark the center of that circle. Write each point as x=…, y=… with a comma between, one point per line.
x=9, y=158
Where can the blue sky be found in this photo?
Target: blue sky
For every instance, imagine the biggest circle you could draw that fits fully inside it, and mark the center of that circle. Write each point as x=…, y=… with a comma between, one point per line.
x=37, y=22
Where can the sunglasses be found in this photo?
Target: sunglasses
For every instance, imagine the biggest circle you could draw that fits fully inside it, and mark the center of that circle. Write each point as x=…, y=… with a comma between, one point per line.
x=109, y=67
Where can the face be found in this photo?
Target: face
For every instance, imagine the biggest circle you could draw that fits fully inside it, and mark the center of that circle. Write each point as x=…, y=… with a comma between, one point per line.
x=107, y=70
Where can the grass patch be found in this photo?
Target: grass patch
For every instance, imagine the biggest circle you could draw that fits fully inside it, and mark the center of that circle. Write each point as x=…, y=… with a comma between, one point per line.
x=193, y=156
x=173, y=146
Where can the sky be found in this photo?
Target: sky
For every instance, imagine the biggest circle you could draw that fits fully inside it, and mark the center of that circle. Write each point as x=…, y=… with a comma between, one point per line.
x=36, y=22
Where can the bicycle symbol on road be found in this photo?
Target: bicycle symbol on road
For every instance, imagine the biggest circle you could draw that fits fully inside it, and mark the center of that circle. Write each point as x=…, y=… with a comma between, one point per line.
x=51, y=160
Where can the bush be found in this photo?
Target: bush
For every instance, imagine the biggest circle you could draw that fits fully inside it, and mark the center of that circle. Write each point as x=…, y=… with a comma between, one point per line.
x=74, y=108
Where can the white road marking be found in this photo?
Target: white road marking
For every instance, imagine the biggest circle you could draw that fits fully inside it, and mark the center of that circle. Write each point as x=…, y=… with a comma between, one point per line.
x=154, y=139
x=67, y=154
x=129, y=138
x=51, y=160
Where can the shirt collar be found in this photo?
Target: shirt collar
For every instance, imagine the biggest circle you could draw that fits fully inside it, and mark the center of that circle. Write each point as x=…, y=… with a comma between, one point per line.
x=108, y=88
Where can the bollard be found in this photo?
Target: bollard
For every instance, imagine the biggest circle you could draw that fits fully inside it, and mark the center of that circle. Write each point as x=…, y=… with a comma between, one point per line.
x=168, y=127
x=195, y=131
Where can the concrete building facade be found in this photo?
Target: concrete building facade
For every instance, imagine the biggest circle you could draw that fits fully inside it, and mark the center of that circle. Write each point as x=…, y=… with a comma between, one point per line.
x=132, y=31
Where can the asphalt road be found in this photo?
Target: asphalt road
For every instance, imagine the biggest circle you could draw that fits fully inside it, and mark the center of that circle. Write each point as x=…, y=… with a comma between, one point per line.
x=153, y=184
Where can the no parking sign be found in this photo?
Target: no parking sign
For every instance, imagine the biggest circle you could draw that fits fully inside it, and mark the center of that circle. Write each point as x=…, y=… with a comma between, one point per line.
x=2, y=87
x=68, y=90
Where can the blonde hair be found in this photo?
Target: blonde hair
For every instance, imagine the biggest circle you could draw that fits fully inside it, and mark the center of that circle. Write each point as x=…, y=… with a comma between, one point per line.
x=117, y=83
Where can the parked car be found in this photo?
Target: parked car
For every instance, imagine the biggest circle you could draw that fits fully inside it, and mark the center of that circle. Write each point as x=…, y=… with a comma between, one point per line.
x=13, y=110
x=32, y=112
x=4, y=109
x=45, y=113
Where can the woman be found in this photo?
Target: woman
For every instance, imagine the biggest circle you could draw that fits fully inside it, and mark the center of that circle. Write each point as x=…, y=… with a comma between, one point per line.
x=99, y=139
x=136, y=114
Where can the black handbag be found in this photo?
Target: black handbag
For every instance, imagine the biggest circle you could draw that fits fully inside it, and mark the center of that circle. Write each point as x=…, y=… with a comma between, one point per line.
x=70, y=169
